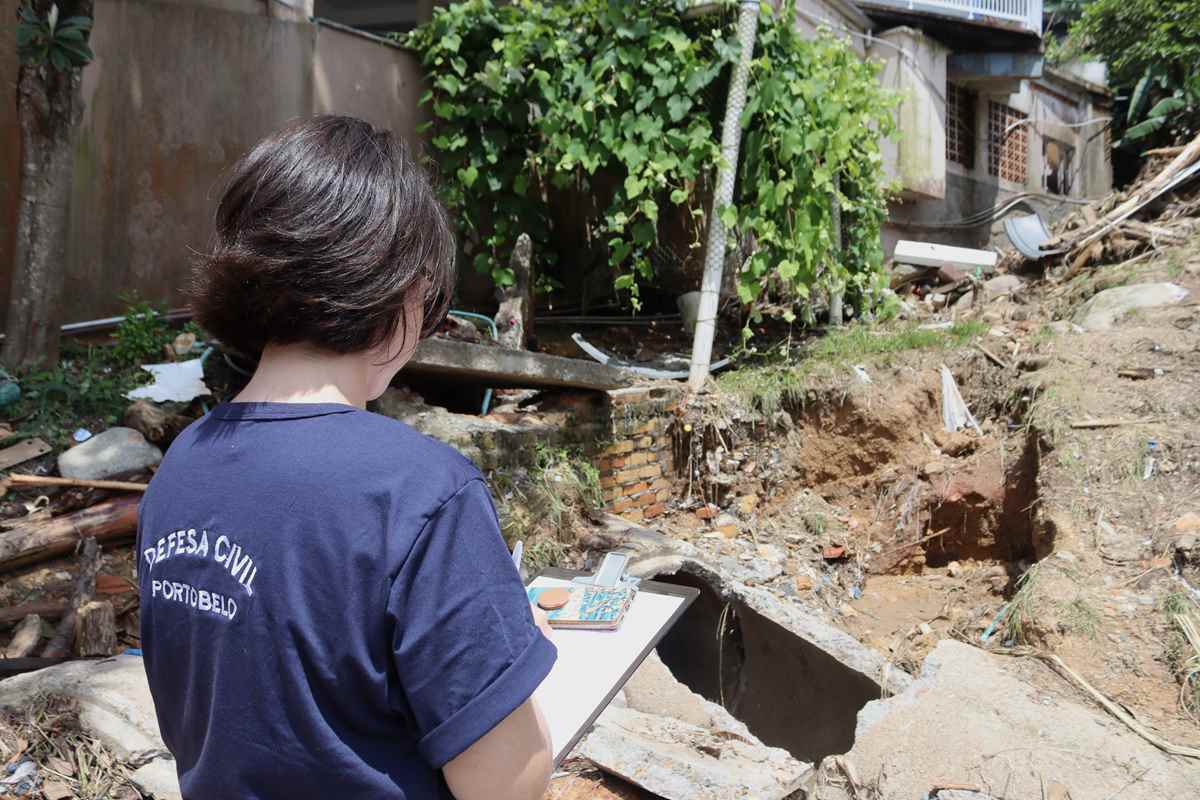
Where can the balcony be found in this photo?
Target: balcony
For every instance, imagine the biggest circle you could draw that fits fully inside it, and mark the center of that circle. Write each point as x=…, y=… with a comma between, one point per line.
x=1015, y=16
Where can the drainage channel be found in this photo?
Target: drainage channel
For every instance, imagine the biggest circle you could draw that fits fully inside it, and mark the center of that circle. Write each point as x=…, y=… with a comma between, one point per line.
x=789, y=692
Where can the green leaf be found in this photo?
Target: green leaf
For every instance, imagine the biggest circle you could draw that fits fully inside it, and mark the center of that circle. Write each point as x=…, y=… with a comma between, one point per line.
x=634, y=186
x=1144, y=129
x=678, y=106
x=625, y=281
x=678, y=196
x=729, y=216
x=1167, y=105
x=468, y=175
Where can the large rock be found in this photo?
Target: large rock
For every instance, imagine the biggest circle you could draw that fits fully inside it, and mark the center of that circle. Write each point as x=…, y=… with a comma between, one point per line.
x=116, y=452
x=1105, y=308
x=680, y=746
x=1003, y=284
x=114, y=706
x=976, y=719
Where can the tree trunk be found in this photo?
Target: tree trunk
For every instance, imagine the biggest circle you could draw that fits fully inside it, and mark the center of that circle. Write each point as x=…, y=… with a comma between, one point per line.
x=49, y=104
x=39, y=541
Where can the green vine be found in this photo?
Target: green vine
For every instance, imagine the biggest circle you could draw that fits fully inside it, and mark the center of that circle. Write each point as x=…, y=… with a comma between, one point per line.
x=620, y=102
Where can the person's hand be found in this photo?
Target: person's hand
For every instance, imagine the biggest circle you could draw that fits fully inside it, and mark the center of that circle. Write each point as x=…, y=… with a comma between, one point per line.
x=541, y=619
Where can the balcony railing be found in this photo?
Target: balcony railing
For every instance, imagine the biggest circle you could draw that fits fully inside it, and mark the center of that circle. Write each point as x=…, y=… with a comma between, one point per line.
x=1025, y=15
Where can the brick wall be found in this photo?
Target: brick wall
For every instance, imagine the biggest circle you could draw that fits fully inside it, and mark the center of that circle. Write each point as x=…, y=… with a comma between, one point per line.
x=636, y=469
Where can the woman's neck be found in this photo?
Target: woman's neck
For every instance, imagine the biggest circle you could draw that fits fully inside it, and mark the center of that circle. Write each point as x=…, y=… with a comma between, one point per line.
x=299, y=373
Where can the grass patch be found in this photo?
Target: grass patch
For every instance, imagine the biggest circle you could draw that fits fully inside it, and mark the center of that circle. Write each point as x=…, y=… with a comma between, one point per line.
x=1082, y=618
x=769, y=386
x=1182, y=614
x=543, y=505
x=1019, y=615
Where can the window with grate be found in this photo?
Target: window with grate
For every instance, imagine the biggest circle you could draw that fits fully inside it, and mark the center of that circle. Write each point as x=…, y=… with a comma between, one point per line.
x=1008, y=143
x=960, y=125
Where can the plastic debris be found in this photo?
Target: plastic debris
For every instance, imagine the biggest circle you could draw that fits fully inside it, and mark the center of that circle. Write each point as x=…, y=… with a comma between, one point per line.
x=180, y=382
x=955, y=414
x=81, y=434
x=860, y=372
x=19, y=779
x=650, y=372
x=10, y=390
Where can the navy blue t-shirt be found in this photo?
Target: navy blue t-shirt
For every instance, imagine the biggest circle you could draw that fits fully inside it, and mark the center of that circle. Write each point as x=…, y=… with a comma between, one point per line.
x=328, y=608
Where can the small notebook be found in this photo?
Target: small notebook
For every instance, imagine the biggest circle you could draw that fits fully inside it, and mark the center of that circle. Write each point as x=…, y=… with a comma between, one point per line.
x=590, y=607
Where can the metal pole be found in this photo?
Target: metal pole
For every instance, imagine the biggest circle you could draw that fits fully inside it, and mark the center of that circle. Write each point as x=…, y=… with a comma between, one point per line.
x=731, y=139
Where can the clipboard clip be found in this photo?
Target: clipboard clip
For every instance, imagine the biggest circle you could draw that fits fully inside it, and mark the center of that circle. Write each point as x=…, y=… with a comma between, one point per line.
x=610, y=573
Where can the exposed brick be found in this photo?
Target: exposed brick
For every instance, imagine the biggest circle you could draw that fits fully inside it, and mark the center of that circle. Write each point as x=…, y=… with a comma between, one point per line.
x=656, y=510
x=608, y=482
x=625, y=397
x=651, y=471
x=617, y=462
x=635, y=515
x=637, y=459
x=660, y=484
x=645, y=499
x=664, y=496
x=623, y=504
x=649, y=426
x=604, y=464
x=627, y=476
x=635, y=489
x=611, y=494
x=619, y=448
x=644, y=442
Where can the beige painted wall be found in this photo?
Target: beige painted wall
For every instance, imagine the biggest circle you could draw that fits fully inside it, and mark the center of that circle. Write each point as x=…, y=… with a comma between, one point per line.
x=177, y=92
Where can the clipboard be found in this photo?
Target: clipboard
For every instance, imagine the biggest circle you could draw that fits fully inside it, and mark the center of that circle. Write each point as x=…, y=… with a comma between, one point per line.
x=593, y=665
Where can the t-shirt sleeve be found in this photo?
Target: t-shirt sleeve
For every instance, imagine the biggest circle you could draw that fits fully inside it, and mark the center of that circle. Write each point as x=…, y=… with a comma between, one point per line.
x=466, y=649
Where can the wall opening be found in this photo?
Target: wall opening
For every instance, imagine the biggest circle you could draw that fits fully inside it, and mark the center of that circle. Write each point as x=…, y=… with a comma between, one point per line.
x=789, y=692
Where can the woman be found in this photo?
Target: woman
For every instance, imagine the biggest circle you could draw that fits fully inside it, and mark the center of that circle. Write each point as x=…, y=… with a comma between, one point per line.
x=328, y=608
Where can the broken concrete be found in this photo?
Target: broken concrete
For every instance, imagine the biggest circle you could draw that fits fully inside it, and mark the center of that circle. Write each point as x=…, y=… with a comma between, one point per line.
x=774, y=651
x=114, y=706
x=501, y=368
x=976, y=719
x=1107, y=307
x=680, y=746
x=114, y=453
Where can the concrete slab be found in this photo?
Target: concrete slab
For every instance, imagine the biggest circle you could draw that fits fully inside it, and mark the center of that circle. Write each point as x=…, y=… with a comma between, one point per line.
x=501, y=368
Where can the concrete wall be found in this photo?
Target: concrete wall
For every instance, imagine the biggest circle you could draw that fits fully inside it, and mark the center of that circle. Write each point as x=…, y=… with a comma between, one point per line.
x=914, y=65
x=1059, y=106
x=177, y=92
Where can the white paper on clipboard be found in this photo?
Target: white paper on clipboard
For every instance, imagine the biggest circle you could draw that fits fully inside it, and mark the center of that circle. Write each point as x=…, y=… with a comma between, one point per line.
x=593, y=665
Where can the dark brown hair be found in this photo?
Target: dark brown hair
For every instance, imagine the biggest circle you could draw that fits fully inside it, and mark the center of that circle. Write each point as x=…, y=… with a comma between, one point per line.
x=324, y=229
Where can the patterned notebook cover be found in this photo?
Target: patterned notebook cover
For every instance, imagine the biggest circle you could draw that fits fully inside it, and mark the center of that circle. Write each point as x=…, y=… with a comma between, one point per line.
x=589, y=607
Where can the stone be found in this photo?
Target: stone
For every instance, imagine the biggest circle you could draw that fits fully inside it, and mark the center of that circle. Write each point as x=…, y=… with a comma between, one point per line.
x=1123, y=547
x=967, y=703
x=803, y=583
x=114, y=453
x=654, y=690
x=728, y=531
x=934, y=468
x=747, y=503
x=1188, y=523
x=680, y=760
x=114, y=706
x=1105, y=308
x=966, y=301
x=158, y=780
x=954, y=569
x=708, y=511
x=1003, y=284
x=514, y=318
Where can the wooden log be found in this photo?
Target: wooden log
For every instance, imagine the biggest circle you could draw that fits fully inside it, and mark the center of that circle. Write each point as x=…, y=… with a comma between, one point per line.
x=85, y=592
x=43, y=608
x=157, y=424
x=25, y=640
x=1169, y=152
x=96, y=629
x=47, y=480
x=46, y=539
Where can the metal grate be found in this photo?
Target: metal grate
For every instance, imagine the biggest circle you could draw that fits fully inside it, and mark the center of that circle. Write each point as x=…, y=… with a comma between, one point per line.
x=960, y=125
x=1008, y=143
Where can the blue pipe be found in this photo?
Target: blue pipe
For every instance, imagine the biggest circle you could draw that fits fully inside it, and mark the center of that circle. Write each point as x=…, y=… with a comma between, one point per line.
x=487, y=396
